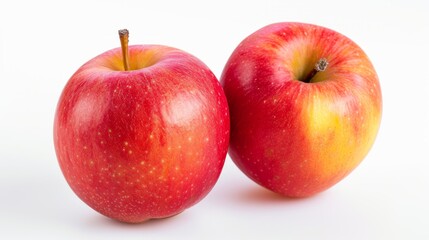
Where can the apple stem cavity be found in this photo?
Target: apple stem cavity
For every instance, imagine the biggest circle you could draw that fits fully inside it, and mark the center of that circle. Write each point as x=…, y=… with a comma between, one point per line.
x=320, y=66
x=123, y=36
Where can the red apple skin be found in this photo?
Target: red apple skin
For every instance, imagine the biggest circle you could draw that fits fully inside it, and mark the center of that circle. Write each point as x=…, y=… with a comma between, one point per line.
x=292, y=137
x=142, y=144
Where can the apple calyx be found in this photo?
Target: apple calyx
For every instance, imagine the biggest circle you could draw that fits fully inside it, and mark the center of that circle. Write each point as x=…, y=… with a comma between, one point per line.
x=123, y=36
x=320, y=66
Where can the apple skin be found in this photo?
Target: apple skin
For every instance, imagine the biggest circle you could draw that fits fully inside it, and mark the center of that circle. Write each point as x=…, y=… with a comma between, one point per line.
x=292, y=137
x=146, y=143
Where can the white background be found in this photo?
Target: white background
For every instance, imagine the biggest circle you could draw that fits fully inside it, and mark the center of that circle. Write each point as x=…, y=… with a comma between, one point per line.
x=42, y=43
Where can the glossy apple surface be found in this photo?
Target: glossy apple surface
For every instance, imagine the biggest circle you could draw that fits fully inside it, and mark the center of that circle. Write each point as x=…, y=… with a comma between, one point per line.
x=145, y=143
x=294, y=134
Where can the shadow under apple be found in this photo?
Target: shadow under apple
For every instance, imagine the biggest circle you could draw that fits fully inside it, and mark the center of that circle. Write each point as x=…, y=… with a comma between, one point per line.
x=254, y=194
x=102, y=222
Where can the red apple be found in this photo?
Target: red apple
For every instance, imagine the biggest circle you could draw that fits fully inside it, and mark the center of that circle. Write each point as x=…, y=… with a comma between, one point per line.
x=143, y=135
x=305, y=105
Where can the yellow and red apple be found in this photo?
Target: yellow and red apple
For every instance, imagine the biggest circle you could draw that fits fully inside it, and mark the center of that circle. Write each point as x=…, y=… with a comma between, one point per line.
x=305, y=105
x=143, y=132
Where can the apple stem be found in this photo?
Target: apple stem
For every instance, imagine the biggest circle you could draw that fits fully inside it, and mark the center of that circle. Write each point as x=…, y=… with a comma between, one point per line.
x=320, y=66
x=123, y=36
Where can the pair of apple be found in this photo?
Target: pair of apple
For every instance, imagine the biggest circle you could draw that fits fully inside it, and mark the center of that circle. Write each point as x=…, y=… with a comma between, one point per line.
x=142, y=131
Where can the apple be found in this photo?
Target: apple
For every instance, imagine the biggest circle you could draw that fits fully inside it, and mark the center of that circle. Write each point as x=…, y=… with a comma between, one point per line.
x=305, y=106
x=142, y=131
